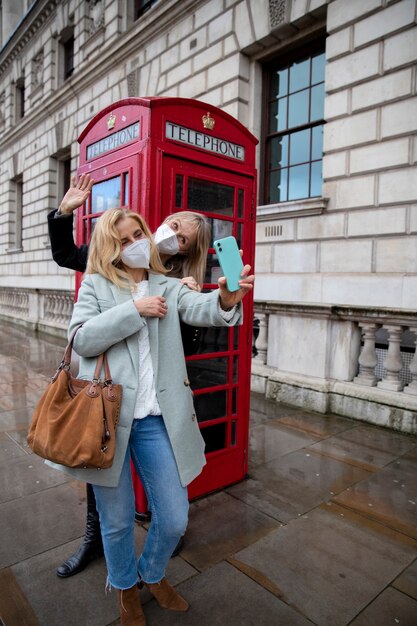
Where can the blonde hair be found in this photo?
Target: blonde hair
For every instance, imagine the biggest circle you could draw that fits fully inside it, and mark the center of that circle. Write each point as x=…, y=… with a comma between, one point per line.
x=106, y=247
x=193, y=261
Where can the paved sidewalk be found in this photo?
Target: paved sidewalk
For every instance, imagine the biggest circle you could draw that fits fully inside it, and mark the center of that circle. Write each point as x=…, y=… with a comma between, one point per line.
x=323, y=531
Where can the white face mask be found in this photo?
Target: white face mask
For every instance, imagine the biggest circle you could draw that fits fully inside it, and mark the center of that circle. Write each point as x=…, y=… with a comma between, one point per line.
x=137, y=255
x=166, y=240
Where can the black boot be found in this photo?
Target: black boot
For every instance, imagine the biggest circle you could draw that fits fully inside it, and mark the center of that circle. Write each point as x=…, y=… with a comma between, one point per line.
x=92, y=545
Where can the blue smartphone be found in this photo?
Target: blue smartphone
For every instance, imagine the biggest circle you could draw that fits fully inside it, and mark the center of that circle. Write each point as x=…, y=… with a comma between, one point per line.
x=227, y=252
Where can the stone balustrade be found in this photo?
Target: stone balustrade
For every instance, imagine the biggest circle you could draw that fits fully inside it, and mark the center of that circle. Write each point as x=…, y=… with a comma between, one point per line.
x=357, y=361
x=47, y=310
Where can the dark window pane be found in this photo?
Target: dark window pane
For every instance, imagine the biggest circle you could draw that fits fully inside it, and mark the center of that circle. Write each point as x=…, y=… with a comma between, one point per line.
x=233, y=433
x=317, y=70
x=213, y=271
x=278, y=186
x=219, y=229
x=317, y=143
x=298, y=187
x=235, y=369
x=178, y=190
x=210, y=406
x=68, y=58
x=299, y=75
x=239, y=235
x=214, y=339
x=316, y=178
x=298, y=109
x=234, y=401
x=317, y=103
x=273, y=116
x=141, y=6
x=204, y=195
x=279, y=151
x=300, y=147
x=279, y=84
x=105, y=195
x=207, y=373
x=240, y=202
x=214, y=437
x=278, y=115
x=126, y=201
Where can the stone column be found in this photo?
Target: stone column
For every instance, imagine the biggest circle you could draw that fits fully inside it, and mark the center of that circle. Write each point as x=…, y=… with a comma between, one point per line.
x=393, y=362
x=367, y=358
x=262, y=340
x=412, y=387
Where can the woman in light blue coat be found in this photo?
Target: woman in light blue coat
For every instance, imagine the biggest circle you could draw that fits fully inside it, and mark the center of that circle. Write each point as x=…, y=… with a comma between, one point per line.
x=131, y=310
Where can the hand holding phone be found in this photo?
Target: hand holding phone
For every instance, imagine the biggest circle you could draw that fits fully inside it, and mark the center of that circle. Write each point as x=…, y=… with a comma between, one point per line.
x=227, y=252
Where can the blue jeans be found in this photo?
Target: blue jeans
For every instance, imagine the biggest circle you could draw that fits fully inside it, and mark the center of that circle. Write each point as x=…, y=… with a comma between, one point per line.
x=152, y=455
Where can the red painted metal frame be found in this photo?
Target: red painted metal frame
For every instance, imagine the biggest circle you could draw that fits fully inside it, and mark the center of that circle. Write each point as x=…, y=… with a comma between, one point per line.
x=153, y=161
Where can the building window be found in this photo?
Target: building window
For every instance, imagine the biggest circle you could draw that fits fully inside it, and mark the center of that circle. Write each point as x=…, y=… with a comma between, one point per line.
x=141, y=6
x=64, y=176
x=294, y=133
x=68, y=58
x=15, y=220
x=66, y=53
x=60, y=165
x=20, y=98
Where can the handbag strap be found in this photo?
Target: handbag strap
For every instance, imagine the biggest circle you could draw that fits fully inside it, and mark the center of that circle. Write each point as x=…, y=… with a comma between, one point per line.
x=101, y=359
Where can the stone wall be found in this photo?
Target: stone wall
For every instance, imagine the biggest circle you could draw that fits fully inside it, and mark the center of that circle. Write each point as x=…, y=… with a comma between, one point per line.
x=363, y=248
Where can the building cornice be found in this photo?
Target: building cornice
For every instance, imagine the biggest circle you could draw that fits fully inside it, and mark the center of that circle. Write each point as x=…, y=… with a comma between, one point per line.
x=34, y=19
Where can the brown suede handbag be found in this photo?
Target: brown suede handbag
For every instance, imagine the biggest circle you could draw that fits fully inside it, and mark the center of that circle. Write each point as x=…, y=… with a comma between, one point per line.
x=75, y=421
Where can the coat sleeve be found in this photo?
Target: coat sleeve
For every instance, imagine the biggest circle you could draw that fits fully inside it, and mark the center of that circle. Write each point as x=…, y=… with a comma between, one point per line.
x=64, y=251
x=202, y=309
x=101, y=330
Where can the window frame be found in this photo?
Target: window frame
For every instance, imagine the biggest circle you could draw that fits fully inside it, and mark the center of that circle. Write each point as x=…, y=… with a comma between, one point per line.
x=283, y=61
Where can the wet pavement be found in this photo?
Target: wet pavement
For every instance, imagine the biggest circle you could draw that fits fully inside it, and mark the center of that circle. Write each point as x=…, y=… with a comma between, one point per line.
x=323, y=531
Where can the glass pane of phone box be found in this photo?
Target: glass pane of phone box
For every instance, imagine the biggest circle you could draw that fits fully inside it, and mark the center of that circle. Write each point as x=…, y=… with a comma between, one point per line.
x=207, y=372
x=215, y=437
x=216, y=339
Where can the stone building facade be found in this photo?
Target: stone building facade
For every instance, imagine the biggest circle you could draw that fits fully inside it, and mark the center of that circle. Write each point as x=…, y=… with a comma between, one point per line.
x=329, y=88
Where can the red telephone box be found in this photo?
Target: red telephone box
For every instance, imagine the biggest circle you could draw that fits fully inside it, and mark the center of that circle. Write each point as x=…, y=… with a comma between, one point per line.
x=162, y=155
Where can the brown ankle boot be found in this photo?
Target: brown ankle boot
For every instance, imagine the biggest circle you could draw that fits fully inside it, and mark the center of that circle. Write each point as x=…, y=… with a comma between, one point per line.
x=167, y=597
x=131, y=612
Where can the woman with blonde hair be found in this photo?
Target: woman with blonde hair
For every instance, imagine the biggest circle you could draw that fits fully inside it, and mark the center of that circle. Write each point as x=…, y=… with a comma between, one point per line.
x=183, y=240
x=130, y=309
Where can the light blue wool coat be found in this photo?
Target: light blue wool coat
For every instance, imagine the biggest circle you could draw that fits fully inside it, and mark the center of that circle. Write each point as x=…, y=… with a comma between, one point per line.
x=111, y=323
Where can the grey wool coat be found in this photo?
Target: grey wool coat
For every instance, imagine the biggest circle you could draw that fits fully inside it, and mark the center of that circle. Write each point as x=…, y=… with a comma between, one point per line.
x=111, y=323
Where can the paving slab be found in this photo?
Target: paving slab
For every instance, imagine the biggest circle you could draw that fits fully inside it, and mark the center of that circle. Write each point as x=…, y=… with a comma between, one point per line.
x=330, y=564
x=41, y=521
x=273, y=439
x=295, y=483
x=19, y=437
x=389, y=496
x=219, y=525
x=25, y=476
x=9, y=450
x=369, y=447
x=407, y=581
x=15, y=609
x=16, y=419
x=390, y=607
x=223, y=595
